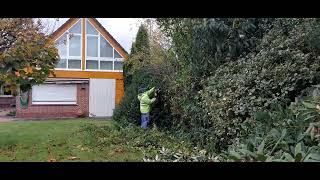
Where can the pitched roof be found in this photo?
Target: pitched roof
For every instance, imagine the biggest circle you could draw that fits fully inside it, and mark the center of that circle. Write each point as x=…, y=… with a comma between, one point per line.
x=70, y=22
x=62, y=27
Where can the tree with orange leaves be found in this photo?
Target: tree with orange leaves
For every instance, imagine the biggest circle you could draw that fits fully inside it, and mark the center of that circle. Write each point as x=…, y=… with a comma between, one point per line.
x=27, y=55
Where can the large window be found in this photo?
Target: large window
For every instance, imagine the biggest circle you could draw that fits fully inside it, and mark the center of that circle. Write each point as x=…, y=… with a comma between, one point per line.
x=69, y=48
x=54, y=94
x=100, y=55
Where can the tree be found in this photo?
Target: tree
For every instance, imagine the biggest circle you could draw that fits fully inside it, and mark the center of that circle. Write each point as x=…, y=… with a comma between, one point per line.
x=27, y=55
x=142, y=43
x=139, y=55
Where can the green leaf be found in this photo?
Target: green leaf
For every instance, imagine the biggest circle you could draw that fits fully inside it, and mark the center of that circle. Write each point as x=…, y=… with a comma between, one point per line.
x=312, y=133
x=309, y=105
x=269, y=159
x=297, y=149
x=247, y=152
x=309, y=117
x=288, y=157
x=312, y=157
x=315, y=156
x=298, y=157
x=234, y=155
x=261, y=147
x=262, y=158
x=284, y=132
x=309, y=129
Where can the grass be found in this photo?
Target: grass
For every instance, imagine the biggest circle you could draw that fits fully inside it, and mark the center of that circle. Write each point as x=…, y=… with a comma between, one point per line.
x=59, y=140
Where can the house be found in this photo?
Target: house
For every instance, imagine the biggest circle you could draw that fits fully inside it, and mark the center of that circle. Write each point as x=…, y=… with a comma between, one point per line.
x=88, y=79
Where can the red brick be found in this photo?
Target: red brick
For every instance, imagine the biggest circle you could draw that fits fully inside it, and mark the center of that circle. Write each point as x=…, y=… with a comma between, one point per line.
x=6, y=101
x=57, y=111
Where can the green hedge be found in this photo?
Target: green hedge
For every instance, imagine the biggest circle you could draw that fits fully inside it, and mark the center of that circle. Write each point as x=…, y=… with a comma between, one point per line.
x=284, y=66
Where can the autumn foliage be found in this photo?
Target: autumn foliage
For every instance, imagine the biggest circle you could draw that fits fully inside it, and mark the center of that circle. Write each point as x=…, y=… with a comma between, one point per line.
x=27, y=56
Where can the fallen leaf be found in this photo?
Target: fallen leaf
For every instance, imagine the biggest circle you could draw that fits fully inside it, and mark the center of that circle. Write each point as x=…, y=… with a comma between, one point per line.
x=119, y=149
x=52, y=160
x=72, y=157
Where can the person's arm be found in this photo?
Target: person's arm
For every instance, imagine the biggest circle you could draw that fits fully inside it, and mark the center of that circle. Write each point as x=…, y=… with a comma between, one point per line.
x=149, y=92
x=148, y=100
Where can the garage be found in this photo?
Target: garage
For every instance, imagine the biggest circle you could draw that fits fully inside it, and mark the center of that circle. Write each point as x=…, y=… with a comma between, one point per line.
x=102, y=97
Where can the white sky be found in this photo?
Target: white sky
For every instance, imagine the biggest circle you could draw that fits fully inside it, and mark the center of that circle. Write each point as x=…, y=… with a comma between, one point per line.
x=124, y=30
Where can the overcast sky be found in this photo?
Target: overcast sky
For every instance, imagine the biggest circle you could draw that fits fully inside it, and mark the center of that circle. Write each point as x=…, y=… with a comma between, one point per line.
x=124, y=30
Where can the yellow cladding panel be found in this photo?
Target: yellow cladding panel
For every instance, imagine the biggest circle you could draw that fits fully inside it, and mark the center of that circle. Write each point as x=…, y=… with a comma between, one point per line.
x=87, y=74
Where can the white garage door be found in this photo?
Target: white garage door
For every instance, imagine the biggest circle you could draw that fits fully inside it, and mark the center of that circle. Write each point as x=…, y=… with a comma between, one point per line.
x=54, y=94
x=102, y=97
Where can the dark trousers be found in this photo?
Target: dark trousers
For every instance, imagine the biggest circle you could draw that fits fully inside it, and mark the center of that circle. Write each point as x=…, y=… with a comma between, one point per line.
x=145, y=119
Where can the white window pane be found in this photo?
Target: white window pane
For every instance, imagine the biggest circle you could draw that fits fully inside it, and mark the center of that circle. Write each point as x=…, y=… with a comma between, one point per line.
x=117, y=55
x=62, y=63
x=76, y=28
x=54, y=93
x=106, y=65
x=92, y=64
x=118, y=65
x=74, y=45
x=74, y=64
x=92, y=46
x=105, y=48
x=61, y=45
x=90, y=29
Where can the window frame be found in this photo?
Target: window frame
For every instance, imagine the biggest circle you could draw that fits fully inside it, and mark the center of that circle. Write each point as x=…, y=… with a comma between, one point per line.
x=99, y=58
x=67, y=57
x=2, y=91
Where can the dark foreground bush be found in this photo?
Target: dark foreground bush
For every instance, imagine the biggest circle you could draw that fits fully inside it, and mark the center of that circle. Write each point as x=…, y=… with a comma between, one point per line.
x=128, y=111
x=284, y=66
x=214, y=108
x=278, y=135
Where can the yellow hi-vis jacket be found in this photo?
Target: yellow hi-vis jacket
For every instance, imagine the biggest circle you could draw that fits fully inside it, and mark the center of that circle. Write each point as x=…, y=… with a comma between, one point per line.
x=145, y=101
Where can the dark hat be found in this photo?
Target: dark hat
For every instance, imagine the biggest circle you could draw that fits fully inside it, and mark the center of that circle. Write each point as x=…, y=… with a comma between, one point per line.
x=142, y=89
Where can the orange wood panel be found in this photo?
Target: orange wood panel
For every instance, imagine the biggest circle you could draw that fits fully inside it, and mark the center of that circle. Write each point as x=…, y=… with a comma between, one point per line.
x=64, y=28
x=87, y=74
x=119, y=90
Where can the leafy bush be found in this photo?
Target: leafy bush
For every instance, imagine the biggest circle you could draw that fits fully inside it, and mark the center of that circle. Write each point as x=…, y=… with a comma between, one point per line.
x=194, y=155
x=279, y=135
x=149, y=66
x=129, y=108
x=201, y=46
x=225, y=75
x=12, y=113
x=275, y=75
x=283, y=134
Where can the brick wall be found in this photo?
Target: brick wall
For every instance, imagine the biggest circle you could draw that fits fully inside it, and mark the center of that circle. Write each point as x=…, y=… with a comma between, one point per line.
x=6, y=102
x=57, y=111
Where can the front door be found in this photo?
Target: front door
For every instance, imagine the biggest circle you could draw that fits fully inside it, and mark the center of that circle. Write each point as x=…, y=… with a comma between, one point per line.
x=102, y=97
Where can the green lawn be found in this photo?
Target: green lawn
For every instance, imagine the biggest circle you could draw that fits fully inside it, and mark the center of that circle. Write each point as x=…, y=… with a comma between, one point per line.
x=57, y=140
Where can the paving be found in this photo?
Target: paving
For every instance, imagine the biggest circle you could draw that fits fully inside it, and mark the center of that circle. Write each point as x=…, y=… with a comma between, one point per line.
x=3, y=115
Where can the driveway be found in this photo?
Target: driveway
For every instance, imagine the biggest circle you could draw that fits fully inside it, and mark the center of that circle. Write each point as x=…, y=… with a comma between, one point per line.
x=6, y=119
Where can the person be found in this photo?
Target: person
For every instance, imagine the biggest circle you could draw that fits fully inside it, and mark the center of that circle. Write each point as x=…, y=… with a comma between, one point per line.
x=145, y=105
